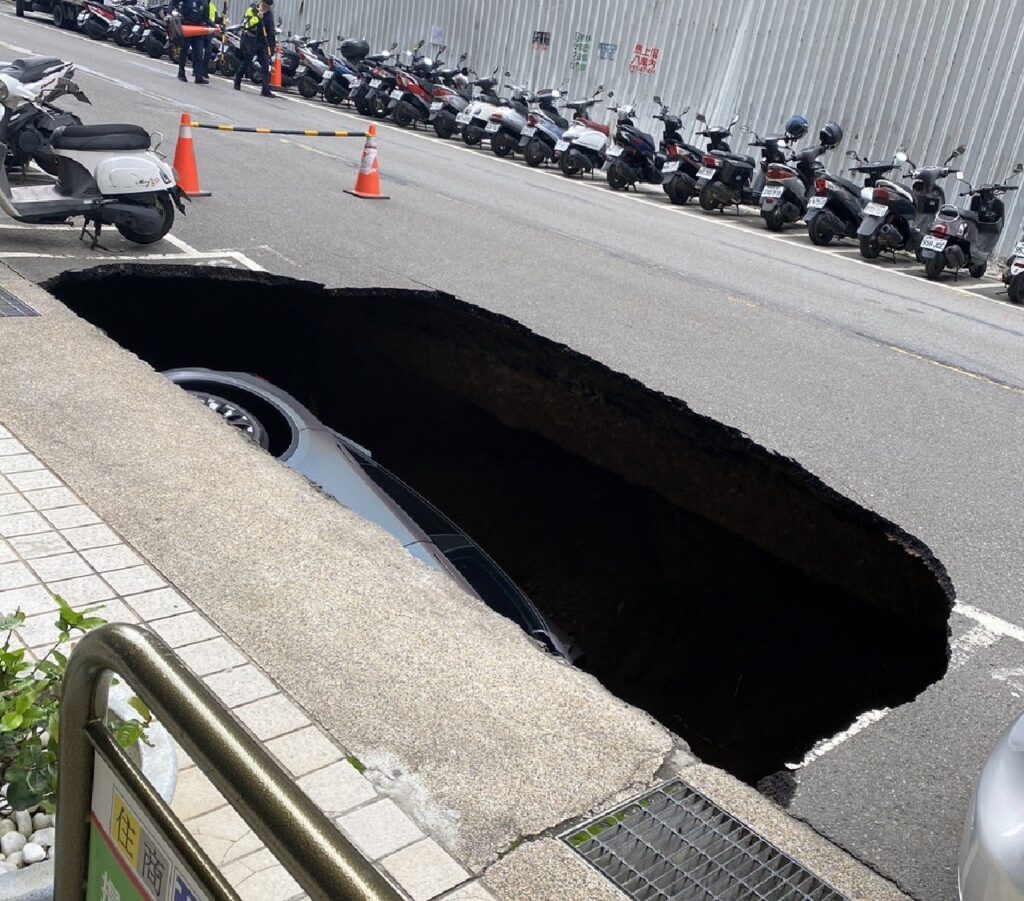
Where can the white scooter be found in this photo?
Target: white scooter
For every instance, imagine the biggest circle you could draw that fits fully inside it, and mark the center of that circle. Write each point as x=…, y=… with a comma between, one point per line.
x=474, y=118
x=105, y=173
x=582, y=147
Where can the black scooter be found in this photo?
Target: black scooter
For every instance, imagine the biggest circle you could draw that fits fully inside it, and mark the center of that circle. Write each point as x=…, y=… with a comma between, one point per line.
x=681, y=169
x=837, y=206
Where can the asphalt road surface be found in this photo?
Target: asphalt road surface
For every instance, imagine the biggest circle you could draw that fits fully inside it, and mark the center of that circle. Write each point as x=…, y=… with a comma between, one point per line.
x=906, y=395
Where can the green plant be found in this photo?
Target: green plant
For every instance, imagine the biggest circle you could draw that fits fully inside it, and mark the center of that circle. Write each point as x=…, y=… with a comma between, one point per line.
x=29, y=716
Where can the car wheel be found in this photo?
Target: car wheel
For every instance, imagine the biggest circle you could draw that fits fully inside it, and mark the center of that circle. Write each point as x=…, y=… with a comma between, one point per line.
x=235, y=415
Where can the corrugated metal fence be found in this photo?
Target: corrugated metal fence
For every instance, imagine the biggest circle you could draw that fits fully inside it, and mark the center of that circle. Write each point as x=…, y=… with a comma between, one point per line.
x=928, y=75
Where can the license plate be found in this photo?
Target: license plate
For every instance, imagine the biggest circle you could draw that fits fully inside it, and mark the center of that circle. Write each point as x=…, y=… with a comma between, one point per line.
x=375, y=83
x=614, y=151
x=463, y=118
x=669, y=168
x=772, y=192
x=492, y=127
x=706, y=172
x=529, y=131
x=145, y=34
x=135, y=29
x=434, y=107
x=1016, y=267
x=930, y=242
x=876, y=209
x=816, y=202
x=1018, y=249
x=397, y=94
x=561, y=146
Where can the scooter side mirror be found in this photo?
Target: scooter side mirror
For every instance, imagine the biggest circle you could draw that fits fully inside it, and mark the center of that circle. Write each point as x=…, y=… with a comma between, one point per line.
x=733, y=121
x=960, y=176
x=657, y=100
x=852, y=155
x=700, y=117
x=685, y=110
x=1017, y=169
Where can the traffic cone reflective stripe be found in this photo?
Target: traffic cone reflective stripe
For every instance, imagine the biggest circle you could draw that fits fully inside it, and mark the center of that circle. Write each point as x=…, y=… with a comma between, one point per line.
x=185, y=161
x=275, y=75
x=368, y=179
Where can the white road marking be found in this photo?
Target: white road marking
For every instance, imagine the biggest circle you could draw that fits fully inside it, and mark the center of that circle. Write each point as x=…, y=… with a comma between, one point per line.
x=991, y=622
x=961, y=650
x=181, y=245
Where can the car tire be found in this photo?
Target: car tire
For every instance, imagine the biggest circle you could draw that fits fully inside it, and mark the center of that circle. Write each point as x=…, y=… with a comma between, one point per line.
x=235, y=415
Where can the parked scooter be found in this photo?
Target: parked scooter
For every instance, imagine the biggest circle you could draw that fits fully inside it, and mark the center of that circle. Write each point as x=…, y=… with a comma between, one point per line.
x=97, y=21
x=508, y=121
x=582, y=147
x=545, y=126
x=313, y=65
x=898, y=216
x=1013, y=274
x=414, y=92
x=787, y=187
x=633, y=155
x=836, y=208
x=965, y=238
x=106, y=174
x=371, y=70
x=729, y=179
x=474, y=118
x=342, y=78
x=29, y=128
x=451, y=97
x=681, y=170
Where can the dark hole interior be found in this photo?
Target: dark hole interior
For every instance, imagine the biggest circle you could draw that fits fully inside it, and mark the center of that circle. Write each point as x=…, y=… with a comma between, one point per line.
x=720, y=587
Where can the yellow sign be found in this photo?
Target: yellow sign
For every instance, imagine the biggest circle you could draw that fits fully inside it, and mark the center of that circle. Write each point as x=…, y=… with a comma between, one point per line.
x=126, y=832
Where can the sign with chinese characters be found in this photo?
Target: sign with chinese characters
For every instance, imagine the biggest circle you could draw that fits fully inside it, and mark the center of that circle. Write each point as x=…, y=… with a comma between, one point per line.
x=580, y=51
x=607, y=51
x=645, y=59
x=129, y=860
x=542, y=40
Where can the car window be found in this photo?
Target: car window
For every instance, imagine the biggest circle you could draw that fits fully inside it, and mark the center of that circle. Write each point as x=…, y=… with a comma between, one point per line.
x=416, y=508
x=491, y=584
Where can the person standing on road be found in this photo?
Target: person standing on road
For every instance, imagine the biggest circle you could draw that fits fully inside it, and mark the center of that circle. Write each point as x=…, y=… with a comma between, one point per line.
x=192, y=12
x=259, y=39
x=213, y=20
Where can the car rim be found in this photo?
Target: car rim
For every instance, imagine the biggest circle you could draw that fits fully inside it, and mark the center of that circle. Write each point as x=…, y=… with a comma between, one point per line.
x=233, y=415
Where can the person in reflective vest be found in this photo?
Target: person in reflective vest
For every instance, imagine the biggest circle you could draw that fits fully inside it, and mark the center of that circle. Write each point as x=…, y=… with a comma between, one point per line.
x=213, y=20
x=258, y=39
x=192, y=12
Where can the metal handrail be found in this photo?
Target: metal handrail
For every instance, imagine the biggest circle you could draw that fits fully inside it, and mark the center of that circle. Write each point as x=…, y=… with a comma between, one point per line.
x=324, y=863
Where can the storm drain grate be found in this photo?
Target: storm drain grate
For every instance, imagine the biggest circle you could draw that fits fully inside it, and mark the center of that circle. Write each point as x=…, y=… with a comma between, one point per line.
x=11, y=306
x=673, y=843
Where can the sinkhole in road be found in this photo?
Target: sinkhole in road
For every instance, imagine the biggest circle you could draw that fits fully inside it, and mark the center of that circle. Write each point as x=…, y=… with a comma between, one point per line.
x=719, y=586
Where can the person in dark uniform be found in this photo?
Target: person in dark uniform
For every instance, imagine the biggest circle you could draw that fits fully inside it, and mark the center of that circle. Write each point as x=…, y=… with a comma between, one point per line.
x=259, y=39
x=192, y=12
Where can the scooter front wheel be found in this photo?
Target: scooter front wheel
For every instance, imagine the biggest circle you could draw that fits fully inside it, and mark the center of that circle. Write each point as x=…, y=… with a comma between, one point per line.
x=165, y=208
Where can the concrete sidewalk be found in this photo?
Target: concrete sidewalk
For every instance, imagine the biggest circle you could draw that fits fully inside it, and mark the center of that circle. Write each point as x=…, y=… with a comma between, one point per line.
x=327, y=640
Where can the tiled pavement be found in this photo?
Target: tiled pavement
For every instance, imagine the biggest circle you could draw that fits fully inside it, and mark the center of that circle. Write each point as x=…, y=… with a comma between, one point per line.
x=51, y=543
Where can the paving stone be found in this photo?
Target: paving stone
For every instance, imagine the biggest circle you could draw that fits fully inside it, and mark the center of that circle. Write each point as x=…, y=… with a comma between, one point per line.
x=19, y=463
x=22, y=524
x=195, y=795
x=272, y=716
x=304, y=751
x=60, y=566
x=13, y=503
x=40, y=630
x=5, y=486
x=424, y=870
x=70, y=517
x=90, y=536
x=120, y=556
x=16, y=575
x=475, y=891
x=380, y=828
x=82, y=590
x=244, y=846
x=6, y=552
x=336, y=789
x=134, y=580
x=10, y=446
x=221, y=832
x=31, y=600
x=236, y=686
x=158, y=604
x=185, y=628
x=4, y=433
x=206, y=657
x=271, y=884
x=50, y=498
x=36, y=478
x=45, y=544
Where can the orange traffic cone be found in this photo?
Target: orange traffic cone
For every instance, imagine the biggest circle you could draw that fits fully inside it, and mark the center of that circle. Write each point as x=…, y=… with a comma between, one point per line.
x=185, y=161
x=368, y=179
x=275, y=74
x=197, y=31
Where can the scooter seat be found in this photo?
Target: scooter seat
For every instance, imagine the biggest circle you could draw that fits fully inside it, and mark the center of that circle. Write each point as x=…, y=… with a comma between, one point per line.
x=597, y=126
x=34, y=69
x=737, y=157
x=100, y=137
x=850, y=186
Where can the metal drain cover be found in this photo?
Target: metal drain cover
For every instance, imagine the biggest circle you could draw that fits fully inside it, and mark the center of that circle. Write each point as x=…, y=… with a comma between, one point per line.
x=11, y=306
x=675, y=844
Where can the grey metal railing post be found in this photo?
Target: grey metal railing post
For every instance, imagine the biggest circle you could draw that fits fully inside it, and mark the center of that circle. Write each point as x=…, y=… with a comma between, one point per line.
x=324, y=863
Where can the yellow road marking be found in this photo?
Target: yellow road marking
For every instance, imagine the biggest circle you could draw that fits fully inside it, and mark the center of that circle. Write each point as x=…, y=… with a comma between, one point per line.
x=977, y=376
